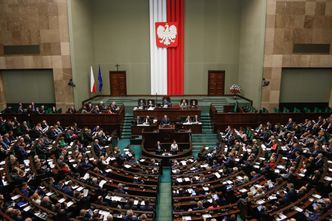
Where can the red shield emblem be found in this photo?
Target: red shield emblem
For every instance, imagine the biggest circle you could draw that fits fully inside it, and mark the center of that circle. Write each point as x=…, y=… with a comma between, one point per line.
x=166, y=34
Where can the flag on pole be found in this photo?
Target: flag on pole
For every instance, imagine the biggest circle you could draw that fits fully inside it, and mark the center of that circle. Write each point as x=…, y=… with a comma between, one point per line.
x=93, y=88
x=100, y=80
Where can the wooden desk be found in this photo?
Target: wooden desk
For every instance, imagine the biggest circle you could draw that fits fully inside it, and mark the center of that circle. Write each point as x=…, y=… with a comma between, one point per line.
x=139, y=129
x=175, y=113
x=222, y=120
x=109, y=122
x=183, y=139
x=194, y=128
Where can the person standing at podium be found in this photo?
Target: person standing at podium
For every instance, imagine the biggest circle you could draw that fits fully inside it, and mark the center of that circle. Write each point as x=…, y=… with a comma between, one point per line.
x=158, y=148
x=165, y=120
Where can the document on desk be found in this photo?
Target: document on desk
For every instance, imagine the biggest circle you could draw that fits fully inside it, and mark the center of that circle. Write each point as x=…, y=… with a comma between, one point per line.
x=205, y=216
x=206, y=189
x=79, y=189
x=281, y=217
x=26, y=209
x=317, y=196
x=260, y=202
x=298, y=209
x=184, y=218
x=180, y=180
x=61, y=200
x=101, y=183
x=16, y=197
x=327, y=178
x=49, y=194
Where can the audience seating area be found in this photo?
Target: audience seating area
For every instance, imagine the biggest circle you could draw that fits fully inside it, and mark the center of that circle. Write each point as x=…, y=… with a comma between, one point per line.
x=272, y=172
x=277, y=169
x=71, y=173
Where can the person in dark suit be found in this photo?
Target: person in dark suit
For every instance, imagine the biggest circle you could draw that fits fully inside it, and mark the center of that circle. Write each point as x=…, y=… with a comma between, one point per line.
x=147, y=120
x=291, y=194
x=166, y=102
x=130, y=216
x=165, y=120
x=193, y=103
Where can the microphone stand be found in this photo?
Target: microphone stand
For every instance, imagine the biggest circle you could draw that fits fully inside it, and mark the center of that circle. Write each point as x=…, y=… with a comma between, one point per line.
x=155, y=104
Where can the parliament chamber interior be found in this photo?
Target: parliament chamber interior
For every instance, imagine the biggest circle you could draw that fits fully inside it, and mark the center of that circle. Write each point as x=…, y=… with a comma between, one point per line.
x=160, y=110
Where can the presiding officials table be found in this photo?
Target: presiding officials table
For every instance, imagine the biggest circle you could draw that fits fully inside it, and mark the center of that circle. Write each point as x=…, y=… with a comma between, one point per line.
x=174, y=113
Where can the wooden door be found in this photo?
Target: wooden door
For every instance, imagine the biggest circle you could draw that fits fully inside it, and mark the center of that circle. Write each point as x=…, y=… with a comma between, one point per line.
x=118, y=83
x=216, y=83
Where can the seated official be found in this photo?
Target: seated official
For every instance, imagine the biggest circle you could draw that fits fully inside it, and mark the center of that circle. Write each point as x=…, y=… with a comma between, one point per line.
x=166, y=102
x=184, y=104
x=193, y=103
x=188, y=120
x=114, y=108
x=165, y=120
x=139, y=120
x=150, y=103
x=141, y=104
x=147, y=120
x=174, y=147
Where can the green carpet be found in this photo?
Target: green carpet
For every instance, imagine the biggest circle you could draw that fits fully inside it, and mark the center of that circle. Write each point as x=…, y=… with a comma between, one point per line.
x=164, y=202
x=123, y=143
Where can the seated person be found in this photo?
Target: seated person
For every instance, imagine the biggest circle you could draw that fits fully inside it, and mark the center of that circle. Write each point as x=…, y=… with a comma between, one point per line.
x=193, y=103
x=113, y=107
x=188, y=120
x=174, y=147
x=184, y=104
x=166, y=102
x=139, y=120
x=147, y=120
x=159, y=150
x=141, y=104
x=151, y=103
x=165, y=120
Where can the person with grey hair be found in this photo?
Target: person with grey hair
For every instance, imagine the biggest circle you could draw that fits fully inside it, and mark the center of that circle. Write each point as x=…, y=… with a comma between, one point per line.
x=130, y=216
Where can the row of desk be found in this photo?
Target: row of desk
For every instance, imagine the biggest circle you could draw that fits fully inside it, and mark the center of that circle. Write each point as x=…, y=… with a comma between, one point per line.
x=175, y=113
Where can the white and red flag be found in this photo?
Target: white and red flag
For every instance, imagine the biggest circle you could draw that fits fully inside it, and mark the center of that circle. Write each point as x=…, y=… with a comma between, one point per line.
x=93, y=88
x=167, y=46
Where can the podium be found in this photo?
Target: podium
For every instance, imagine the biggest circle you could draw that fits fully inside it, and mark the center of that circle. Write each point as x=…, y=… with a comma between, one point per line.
x=167, y=128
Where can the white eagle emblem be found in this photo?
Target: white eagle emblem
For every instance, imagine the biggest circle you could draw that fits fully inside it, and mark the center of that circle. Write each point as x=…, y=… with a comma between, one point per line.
x=166, y=34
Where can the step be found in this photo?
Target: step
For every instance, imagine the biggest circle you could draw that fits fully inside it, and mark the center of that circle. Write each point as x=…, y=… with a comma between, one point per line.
x=126, y=133
x=126, y=127
x=204, y=135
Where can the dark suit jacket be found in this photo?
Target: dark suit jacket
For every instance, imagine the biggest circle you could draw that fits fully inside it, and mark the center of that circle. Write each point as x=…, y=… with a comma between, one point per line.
x=165, y=121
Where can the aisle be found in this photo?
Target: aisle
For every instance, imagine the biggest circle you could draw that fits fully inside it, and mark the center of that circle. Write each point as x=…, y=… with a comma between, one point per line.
x=164, y=198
